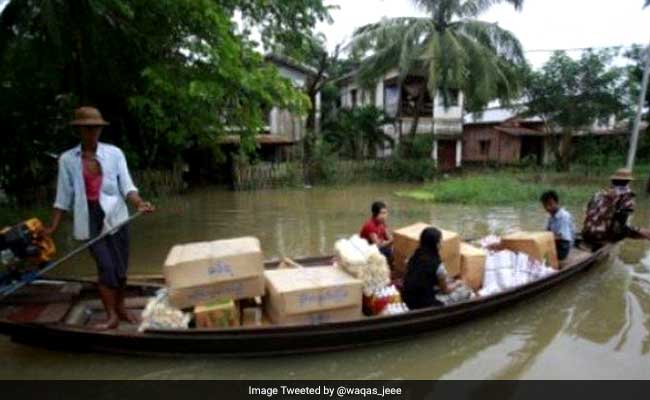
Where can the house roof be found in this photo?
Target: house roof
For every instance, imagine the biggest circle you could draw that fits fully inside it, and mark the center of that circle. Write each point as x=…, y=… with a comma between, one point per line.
x=263, y=140
x=497, y=115
x=520, y=131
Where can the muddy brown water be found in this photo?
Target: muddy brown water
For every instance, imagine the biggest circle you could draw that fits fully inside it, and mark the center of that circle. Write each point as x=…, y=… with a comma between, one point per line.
x=593, y=327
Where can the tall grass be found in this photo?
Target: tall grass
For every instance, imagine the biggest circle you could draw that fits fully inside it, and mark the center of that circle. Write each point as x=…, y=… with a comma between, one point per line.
x=501, y=189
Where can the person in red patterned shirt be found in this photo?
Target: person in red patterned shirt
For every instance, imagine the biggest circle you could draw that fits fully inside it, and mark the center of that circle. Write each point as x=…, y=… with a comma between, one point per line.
x=375, y=230
x=609, y=212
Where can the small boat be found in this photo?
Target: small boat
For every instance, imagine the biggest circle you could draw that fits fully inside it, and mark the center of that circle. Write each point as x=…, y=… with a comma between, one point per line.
x=59, y=313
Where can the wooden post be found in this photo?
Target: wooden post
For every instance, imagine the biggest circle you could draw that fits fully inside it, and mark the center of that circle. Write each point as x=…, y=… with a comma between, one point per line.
x=637, y=121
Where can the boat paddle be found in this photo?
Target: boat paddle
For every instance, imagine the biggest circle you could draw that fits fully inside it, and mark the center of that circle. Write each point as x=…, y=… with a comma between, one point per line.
x=34, y=275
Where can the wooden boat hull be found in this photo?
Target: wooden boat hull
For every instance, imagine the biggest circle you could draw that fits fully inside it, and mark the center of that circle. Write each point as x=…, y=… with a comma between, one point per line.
x=274, y=340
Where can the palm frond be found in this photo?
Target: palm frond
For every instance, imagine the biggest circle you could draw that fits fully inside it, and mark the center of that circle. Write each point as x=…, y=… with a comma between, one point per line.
x=414, y=44
x=380, y=44
x=490, y=35
x=474, y=8
x=431, y=57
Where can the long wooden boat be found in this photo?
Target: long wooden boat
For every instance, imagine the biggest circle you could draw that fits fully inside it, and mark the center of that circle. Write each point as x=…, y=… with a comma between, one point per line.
x=58, y=314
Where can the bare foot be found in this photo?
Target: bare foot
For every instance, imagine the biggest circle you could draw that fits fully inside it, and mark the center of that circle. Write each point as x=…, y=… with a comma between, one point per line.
x=110, y=324
x=126, y=316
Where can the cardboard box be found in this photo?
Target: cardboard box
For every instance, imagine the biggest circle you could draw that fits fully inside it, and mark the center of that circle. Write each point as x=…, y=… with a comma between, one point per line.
x=538, y=245
x=231, y=290
x=317, y=317
x=198, y=264
x=217, y=314
x=302, y=290
x=407, y=240
x=472, y=265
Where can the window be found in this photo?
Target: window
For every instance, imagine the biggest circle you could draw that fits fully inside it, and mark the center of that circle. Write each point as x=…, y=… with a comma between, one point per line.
x=452, y=97
x=454, y=100
x=485, y=147
x=391, y=99
x=603, y=122
x=353, y=98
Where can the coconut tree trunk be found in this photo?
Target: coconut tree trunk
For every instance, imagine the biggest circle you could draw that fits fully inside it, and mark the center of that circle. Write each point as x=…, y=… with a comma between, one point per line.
x=398, y=115
x=414, y=124
x=565, y=150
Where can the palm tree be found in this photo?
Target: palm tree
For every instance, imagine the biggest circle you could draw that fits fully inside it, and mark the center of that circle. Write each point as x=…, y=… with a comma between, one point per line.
x=358, y=133
x=449, y=47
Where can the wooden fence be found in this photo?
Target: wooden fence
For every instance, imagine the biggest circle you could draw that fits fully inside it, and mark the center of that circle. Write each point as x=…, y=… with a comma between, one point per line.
x=268, y=175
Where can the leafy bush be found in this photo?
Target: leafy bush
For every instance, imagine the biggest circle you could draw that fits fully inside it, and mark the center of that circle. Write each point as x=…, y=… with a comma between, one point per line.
x=357, y=133
x=402, y=170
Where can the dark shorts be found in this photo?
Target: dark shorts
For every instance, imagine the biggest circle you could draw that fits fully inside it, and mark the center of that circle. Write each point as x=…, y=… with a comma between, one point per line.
x=563, y=249
x=387, y=252
x=111, y=253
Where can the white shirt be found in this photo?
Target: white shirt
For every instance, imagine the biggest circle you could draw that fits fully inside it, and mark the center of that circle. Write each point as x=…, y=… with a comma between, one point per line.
x=561, y=224
x=116, y=185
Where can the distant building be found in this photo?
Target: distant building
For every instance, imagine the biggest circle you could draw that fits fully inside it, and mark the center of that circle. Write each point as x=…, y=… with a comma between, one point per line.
x=501, y=135
x=282, y=129
x=446, y=131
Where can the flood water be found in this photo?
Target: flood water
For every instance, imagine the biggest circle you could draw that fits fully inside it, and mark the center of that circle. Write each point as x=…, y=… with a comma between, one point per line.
x=594, y=327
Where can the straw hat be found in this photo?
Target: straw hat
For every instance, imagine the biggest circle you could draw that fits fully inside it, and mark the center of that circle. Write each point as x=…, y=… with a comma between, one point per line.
x=88, y=116
x=623, y=174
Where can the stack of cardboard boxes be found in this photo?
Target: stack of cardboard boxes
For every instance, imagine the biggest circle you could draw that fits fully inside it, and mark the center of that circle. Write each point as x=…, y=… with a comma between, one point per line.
x=407, y=240
x=461, y=260
x=213, y=276
x=224, y=281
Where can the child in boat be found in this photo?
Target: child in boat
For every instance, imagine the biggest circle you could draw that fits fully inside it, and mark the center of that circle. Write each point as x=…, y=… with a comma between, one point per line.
x=560, y=222
x=425, y=275
x=375, y=230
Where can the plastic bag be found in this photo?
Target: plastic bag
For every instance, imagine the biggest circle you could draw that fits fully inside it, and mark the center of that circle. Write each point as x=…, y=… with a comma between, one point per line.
x=460, y=294
x=506, y=270
x=158, y=314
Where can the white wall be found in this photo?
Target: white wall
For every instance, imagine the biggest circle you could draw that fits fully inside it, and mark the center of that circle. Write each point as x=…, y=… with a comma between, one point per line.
x=282, y=123
x=298, y=78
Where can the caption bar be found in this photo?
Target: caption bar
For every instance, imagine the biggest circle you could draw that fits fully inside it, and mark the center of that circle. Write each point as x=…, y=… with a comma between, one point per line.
x=325, y=391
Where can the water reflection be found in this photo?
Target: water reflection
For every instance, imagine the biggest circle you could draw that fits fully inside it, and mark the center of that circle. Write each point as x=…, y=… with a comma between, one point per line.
x=597, y=325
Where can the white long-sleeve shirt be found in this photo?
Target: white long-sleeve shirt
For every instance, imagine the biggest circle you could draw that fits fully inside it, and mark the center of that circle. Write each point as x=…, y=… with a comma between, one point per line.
x=116, y=185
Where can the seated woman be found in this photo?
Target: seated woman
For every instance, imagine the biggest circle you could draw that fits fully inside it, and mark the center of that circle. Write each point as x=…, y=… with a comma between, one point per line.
x=426, y=276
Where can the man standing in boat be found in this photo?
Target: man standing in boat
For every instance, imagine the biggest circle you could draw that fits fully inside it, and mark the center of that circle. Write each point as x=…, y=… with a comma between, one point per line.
x=375, y=230
x=93, y=183
x=609, y=212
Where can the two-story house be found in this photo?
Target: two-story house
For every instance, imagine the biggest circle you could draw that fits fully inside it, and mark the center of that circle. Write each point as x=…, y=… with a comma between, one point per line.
x=443, y=124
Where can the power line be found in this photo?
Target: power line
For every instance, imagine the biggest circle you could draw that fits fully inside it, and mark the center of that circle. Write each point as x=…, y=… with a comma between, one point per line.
x=583, y=48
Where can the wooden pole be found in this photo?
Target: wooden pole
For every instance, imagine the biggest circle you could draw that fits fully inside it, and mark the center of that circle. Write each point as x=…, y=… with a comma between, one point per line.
x=637, y=122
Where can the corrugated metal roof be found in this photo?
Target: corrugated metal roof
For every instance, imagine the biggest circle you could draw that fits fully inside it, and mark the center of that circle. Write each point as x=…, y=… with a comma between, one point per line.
x=497, y=115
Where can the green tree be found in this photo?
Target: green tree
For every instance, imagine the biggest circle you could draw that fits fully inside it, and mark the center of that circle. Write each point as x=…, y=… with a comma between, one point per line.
x=570, y=95
x=450, y=47
x=358, y=133
x=168, y=74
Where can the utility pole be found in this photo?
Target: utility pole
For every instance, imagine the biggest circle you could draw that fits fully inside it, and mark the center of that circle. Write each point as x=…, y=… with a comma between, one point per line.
x=637, y=122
